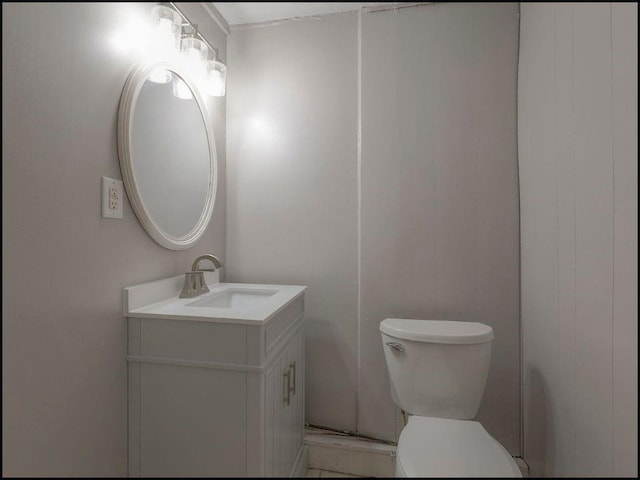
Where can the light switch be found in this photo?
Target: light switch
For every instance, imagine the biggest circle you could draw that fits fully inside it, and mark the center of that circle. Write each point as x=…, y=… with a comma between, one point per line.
x=112, y=197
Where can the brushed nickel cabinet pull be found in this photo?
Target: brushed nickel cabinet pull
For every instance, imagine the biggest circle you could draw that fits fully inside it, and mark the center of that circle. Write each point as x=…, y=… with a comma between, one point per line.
x=293, y=365
x=287, y=391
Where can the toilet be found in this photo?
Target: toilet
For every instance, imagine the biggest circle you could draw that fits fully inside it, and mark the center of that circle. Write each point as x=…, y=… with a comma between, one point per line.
x=438, y=371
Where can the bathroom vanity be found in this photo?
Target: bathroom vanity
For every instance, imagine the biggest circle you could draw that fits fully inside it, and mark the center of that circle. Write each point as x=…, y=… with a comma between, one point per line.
x=216, y=382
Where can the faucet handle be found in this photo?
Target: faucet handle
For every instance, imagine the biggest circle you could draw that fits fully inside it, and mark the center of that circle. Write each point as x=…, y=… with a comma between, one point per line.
x=189, y=289
x=194, y=284
x=200, y=282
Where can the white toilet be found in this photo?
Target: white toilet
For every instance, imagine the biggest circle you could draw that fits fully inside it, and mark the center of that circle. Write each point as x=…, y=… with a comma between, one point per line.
x=438, y=370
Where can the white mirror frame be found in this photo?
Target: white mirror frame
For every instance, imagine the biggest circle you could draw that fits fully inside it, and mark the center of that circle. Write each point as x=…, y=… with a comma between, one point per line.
x=126, y=110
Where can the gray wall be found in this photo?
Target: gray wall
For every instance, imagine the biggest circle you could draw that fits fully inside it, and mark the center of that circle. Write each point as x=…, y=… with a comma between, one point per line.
x=439, y=178
x=64, y=374
x=577, y=137
x=424, y=221
x=292, y=188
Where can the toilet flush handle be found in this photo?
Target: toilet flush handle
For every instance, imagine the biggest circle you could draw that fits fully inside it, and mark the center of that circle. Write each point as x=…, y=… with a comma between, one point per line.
x=396, y=346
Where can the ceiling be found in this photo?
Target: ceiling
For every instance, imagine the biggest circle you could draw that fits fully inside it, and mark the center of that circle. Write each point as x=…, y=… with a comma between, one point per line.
x=238, y=13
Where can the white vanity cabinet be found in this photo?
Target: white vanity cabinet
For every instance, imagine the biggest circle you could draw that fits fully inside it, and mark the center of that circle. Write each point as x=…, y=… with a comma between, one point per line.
x=214, y=396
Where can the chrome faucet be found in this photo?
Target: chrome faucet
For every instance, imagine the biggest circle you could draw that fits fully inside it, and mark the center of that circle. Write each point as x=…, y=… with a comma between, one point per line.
x=194, y=281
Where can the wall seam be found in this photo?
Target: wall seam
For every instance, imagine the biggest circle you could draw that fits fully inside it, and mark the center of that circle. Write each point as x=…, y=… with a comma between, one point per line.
x=359, y=216
x=613, y=239
x=474, y=100
x=520, y=332
x=437, y=157
x=558, y=159
x=575, y=240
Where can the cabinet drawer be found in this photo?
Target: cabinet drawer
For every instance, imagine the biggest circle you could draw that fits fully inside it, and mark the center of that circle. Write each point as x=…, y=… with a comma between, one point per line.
x=192, y=341
x=278, y=327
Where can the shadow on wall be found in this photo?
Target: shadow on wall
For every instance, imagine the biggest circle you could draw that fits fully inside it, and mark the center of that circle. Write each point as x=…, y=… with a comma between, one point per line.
x=322, y=338
x=539, y=435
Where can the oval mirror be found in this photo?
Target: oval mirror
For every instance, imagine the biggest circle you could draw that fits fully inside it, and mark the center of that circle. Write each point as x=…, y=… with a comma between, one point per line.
x=167, y=154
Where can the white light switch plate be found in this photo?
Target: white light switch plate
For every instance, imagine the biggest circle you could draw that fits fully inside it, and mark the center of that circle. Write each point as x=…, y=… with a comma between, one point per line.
x=112, y=197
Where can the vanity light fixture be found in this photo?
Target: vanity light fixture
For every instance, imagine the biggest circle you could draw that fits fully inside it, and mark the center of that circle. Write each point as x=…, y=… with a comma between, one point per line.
x=175, y=33
x=215, y=78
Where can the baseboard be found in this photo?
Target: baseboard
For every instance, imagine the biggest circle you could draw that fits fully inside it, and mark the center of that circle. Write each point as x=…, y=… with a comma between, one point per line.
x=522, y=465
x=350, y=455
x=302, y=463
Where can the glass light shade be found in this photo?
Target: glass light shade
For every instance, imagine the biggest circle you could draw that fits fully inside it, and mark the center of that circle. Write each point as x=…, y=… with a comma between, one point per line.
x=194, y=52
x=168, y=28
x=181, y=89
x=194, y=49
x=160, y=75
x=216, y=78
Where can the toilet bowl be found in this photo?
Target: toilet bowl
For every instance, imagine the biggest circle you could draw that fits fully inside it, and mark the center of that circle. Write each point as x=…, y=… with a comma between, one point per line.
x=442, y=447
x=437, y=372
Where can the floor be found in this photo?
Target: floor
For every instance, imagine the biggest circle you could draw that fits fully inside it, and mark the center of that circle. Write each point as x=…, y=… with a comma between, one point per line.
x=316, y=473
x=334, y=454
x=330, y=453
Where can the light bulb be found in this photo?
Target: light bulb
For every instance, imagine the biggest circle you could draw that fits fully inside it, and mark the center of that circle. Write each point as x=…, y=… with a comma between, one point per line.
x=181, y=89
x=160, y=75
x=164, y=26
x=164, y=36
x=215, y=79
x=194, y=52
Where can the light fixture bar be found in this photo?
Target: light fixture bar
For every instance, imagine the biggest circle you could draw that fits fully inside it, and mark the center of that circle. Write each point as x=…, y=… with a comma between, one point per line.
x=196, y=31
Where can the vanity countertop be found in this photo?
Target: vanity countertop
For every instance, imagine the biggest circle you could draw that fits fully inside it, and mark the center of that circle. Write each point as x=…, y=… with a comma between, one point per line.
x=160, y=299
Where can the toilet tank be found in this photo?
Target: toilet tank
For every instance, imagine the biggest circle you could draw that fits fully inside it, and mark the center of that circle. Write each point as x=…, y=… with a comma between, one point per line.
x=437, y=368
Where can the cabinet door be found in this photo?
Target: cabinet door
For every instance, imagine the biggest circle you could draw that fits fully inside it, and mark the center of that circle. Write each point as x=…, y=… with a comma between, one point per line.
x=297, y=400
x=288, y=451
x=192, y=422
x=295, y=414
x=277, y=384
x=285, y=409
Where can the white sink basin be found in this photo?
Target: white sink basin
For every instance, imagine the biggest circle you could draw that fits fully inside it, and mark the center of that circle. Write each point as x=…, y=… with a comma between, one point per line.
x=246, y=303
x=234, y=298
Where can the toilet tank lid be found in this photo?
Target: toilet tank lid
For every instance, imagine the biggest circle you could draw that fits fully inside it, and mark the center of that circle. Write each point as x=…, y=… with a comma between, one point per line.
x=437, y=331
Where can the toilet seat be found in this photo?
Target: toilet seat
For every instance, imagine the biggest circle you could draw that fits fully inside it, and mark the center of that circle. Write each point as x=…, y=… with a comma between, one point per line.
x=441, y=447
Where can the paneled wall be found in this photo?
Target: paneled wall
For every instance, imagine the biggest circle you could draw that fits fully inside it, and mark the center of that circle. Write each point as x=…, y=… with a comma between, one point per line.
x=64, y=376
x=439, y=183
x=292, y=188
x=424, y=220
x=577, y=137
